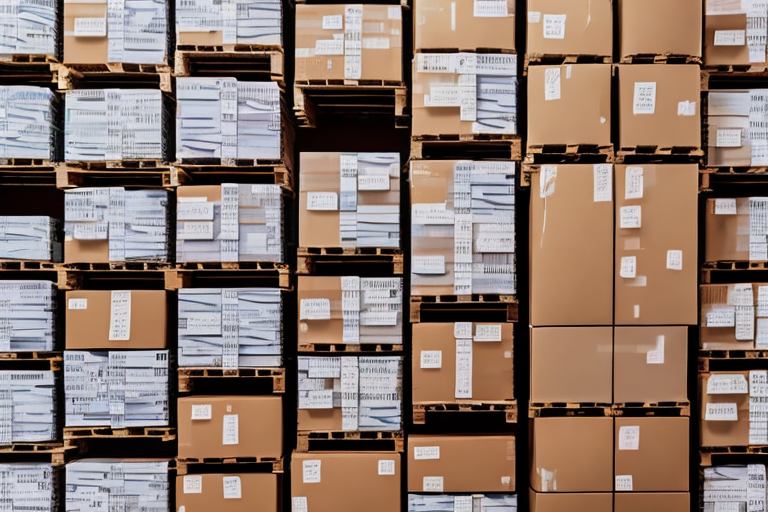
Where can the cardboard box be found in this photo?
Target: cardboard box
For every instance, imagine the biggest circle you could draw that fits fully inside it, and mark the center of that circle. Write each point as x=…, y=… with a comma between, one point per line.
x=320, y=48
x=29, y=131
x=481, y=371
x=114, y=320
x=640, y=443
x=464, y=93
x=726, y=409
x=257, y=22
x=461, y=463
x=322, y=319
x=235, y=492
x=572, y=502
x=659, y=105
x=443, y=24
x=570, y=27
x=657, y=501
x=729, y=222
x=559, y=246
x=659, y=27
x=743, y=486
x=365, y=214
x=734, y=316
x=725, y=34
x=90, y=483
x=736, y=128
x=656, y=244
x=572, y=454
x=220, y=427
x=650, y=364
x=320, y=482
x=578, y=96
x=572, y=364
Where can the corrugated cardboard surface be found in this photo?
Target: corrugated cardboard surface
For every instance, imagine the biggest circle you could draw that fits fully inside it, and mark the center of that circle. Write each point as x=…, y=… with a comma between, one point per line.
x=258, y=491
x=572, y=502
x=717, y=296
x=588, y=27
x=89, y=328
x=349, y=482
x=657, y=502
x=321, y=331
x=727, y=236
x=84, y=50
x=724, y=433
x=259, y=421
x=724, y=55
x=466, y=463
x=660, y=27
x=442, y=24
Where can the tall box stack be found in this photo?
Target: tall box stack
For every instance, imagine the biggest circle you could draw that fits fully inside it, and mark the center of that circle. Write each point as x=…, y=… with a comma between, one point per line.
x=29, y=119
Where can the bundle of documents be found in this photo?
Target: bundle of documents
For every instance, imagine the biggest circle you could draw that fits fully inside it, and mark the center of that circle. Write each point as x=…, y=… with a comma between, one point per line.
x=30, y=238
x=27, y=316
x=28, y=27
x=27, y=407
x=461, y=503
x=28, y=486
x=27, y=117
x=241, y=22
x=734, y=488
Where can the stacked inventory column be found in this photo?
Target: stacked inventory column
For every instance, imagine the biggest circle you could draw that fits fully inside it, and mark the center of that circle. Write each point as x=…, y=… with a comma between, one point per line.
x=733, y=430
x=613, y=252
x=462, y=442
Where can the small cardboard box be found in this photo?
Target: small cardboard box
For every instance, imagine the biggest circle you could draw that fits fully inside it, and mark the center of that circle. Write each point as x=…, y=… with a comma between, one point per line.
x=725, y=35
x=570, y=27
x=572, y=502
x=656, y=501
x=733, y=316
x=725, y=410
x=235, y=492
x=440, y=24
x=659, y=27
x=727, y=235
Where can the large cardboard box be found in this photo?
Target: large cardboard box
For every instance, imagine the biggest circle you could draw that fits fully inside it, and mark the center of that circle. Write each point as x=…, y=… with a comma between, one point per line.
x=440, y=24
x=480, y=370
x=345, y=482
x=641, y=443
x=726, y=409
x=659, y=105
x=572, y=454
x=572, y=502
x=736, y=136
x=570, y=27
x=561, y=243
x=235, y=492
x=461, y=463
x=572, y=364
x=734, y=316
x=230, y=426
x=255, y=22
x=725, y=34
x=114, y=320
x=656, y=501
x=650, y=364
x=656, y=244
x=729, y=222
x=349, y=200
x=322, y=52
x=659, y=27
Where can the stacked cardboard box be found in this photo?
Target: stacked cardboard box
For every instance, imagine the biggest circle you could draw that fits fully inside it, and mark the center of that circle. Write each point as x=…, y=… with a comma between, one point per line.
x=236, y=492
x=28, y=117
x=737, y=129
x=29, y=27
x=253, y=22
x=28, y=407
x=732, y=405
x=132, y=485
x=735, y=33
x=29, y=486
x=736, y=229
x=27, y=316
x=30, y=238
x=738, y=486
x=734, y=316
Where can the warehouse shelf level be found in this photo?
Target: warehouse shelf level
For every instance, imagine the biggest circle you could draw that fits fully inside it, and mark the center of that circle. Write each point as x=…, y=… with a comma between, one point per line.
x=478, y=409
x=569, y=153
x=189, y=378
x=335, y=440
x=314, y=260
x=467, y=145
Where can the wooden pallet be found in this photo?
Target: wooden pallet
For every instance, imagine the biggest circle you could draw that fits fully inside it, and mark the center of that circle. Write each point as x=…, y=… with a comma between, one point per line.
x=316, y=99
x=28, y=175
x=35, y=70
x=309, y=259
x=202, y=275
x=188, y=376
x=467, y=145
x=120, y=265
x=352, y=348
x=665, y=409
x=23, y=58
x=542, y=59
x=671, y=58
x=56, y=452
x=503, y=308
x=645, y=154
x=662, y=409
x=735, y=265
x=733, y=360
x=242, y=61
x=336, y=440
x=79, y=76
x=109, y=176
x=725, y=455
x=228, y=465
x=475, y=407
x=237, y=171
x=569, y=153
x=21, y=265
x=21, y=164
x=164, y=434
x=40, y=360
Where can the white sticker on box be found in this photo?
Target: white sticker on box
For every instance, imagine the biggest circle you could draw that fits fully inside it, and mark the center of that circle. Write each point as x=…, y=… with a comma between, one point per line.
x=551, y=84
x=721, y=317
x=203, y=323
x=193, y=484
x=554, y=26
x=394, y=13
x=686, y=108
x=623, y=482
x=120, y=316
x=628, y=269
x=534, y=17
x=333, y=22
x=299, y=504
x=629, y=437
x=202, y=412
x=428, y=265
x=90, y=27
x=630, y=217
x=745, y=323
x=431, y=359
x=603, y=183
x=645, y=98
x=656, y=355
x=315, y=309
x=386, y=467
x=730, y=37
x=373, y=182
x=633, y=183
x=727, y=384
x=77, y=303
x=329, y=47
x=721, y=412
x=463, y=377
x=729, y=138
x=426, y=452
x=547, y=180
x=230, y=430
x=443, y=96
x=462, y=330
x=488, y=333
x=322, y=201
x=310, y=471
x=196, y=231
x=462, y=504
x=232, y=488
x=432, y=484
x=674, y=260
x=194, y=211
x=726, y=206
x=490, y=9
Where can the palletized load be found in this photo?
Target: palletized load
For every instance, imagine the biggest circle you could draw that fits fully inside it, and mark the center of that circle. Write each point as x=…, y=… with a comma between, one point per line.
x=227, y=118
x=209, y=23
x=27, y=407
x=736, y=229
x=34, y=238
x=29, y=27
x=229, y=223
x=27, y=121
x=462, y=227
x=230, y=327
x=114, y=124
x=29, y=486
x=735, y=32
x=462, y=503
x=116, y=389
x=469, y=25
x=734, y=316
x=27, y=316
x=103, y=225
x=734, y=487
x=733, y=408
x=737, y=124
x=94, y=485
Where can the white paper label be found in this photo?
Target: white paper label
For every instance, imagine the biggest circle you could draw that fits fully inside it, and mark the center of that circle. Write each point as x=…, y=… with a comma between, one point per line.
x=727, y=384
x=194, y=211
x=721, y=317
x=721, y=412
x=488, y=333
x=231, y=430
x=623, y=482
x=656, y=356
x=232, y=488
x=629, y=437
x=730, y=37
x=726, y=206
x=431, y=359
x=432, y=484
x=394, y=13
x=310, y=470
x=315, y=309
x=322, y=201
x=202, y=412
x=120, y=316
x=373, y=182
x=490, y=9
x=628, y=269
x=551, y=84
x=554, y=26
x=463, y=504
x=299, y=504
x=686, y=108
x=333, y=22
x=426, y=452
x=645, y=98
x=90, y=27
x=547, y=180
x=462, y=330
x=329, y=47
x=603, y=183
x=633, y=183
x=428, y=265
x=534, y=17
x=463, y=377
x=674, y=260
x=386, y=467
x=193, y=484
x=729, y=138
x=77, y=303
x=630, y=217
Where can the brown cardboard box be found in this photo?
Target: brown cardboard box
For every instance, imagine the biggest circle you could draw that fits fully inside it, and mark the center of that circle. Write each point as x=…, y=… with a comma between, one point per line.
x=440, y=24
x=650, y=364
x=257, y=492
x=654, y=452
x=721, y=327
x=725, y=39
x=571, y=364
x=658, y=502
x=491, y=364
x=665, y=114
x=345, y=482
x=572, y=454
x=578, y=96
x=321, y=172
x=380, y=32
x=461, y=464
x=727, y=230
x=659, y=27
x=89, y=313
x=725, y=425
x=570, y=27
x=661, y=287
x=572, y=502
x=562, y=242
x=238, y=426
x=84, y=50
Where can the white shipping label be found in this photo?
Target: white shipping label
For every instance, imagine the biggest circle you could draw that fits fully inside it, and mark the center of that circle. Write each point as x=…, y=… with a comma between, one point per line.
x=373, y=181
x=120, y=316
x=299, y=504
x=552, y=84
x=488, y=333
x=333, y=22
x=726, y=206
x=490, y=9
x=431, y=359
x=432, y=484
x=729, y=138
x=656, y=356
x=554, y=26
x=315, y=309
x=426, y=452
x=721, y=317
x=534, y=17
x=194, y=211
x=730, y=37
x=90, y=27
x=462, y=330
x=547, y=180
x=463, y=504
x=674, y=260
x=329, y=47
x=630, y=217
x=721, y=412
x=202, y=412
x=761, y=337
x=745, y=323
x=623, y=482
x=323, y=201
x=232, y=488
x=686, y=108
x=428, y=265
x=629, y=437
x=644, y=98
x=394, y=13
x=193, y=484
x=231, y=430
x=77, y=303
x=727, y=384
x=310, y=471
x=628, y=269
x=633, y=183
x=463, y=376
x=203, y=323
x=386, y=467
x=603, y=183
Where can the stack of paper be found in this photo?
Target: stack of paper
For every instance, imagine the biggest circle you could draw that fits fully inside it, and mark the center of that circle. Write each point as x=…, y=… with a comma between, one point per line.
x=30, y=238
x=27, y=315
x=137, y=31
x=462, y=503
x=28, y=27
x=734, y=488
x=27, y=116
x=98, y=485
x=27, y=407
x=27, y=486
x=241, y=22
